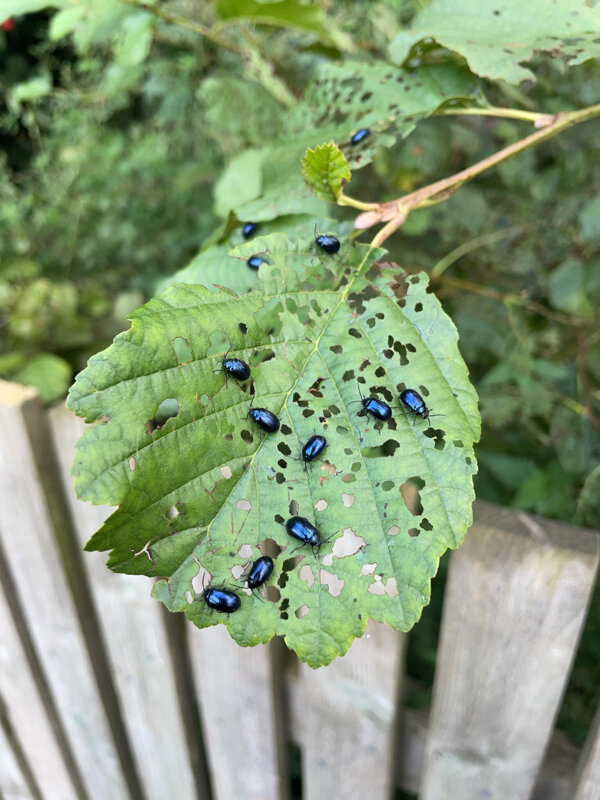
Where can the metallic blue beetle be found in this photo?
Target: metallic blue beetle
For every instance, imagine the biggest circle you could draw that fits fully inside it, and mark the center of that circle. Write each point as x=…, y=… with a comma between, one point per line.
x=360, y=136
x=260, y=572
x=377, y=408
x=314, y=447
x=235, y=367
x=415, y=403
x=254, y=262
x=249, y=229
x=222, y=600
x=304, y=531
x=328, y=243
x=265, y=419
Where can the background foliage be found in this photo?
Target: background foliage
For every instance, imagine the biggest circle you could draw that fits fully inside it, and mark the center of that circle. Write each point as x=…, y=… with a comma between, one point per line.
x=125, y=138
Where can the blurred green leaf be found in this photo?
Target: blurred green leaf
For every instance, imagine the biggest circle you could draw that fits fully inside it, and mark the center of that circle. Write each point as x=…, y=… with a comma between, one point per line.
x=497, y=36
x=47, y=373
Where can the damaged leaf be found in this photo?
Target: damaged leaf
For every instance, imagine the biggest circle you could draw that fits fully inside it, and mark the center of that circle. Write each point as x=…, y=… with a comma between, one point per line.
x=210, y=492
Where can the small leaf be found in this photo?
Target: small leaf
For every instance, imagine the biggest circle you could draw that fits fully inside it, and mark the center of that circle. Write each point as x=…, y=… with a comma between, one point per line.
x=48, y=373
x=205, y=490
x=326, y=170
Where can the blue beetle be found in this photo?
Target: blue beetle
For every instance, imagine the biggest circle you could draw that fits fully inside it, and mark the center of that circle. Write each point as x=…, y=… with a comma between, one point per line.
x=265, y=419
x=304, y=531
x=376, y=408
x=360, y=136
x=223, y=600
x=313, y=447
x=328, y=243
x=235, y=367
x=249, y=229
x=260, y=572
x=254, y=262
x=415, y=403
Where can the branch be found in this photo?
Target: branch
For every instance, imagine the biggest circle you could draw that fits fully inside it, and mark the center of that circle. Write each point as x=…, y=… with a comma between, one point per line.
x=394, y=213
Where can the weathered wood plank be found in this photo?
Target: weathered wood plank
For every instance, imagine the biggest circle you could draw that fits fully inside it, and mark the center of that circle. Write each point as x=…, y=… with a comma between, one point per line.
x=13, y=785
x=241, y=716
x=26, y=716
x=516, y=598
x=586, y=785
x=28, y=516
x=136, y=640
x=347, y=718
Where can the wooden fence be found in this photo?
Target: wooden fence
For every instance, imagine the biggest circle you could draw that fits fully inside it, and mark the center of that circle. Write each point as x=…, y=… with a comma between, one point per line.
x=104, y=696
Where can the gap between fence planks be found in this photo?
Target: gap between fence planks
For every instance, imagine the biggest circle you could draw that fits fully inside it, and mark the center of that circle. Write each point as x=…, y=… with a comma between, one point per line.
x=516, y=599
x=134, y=634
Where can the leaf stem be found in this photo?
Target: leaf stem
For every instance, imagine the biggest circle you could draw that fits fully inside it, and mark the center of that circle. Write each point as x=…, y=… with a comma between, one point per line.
x=494, y=111
x=394, y=213
x=346, y=200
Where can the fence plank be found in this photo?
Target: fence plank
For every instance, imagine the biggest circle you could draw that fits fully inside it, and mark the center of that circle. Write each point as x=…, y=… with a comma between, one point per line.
x=28, y=512
x=515, y=602
x=587, y=782
x=13, y=785
x=136, y=641
x=241, y=715
x=347, y=717
x=26, y=716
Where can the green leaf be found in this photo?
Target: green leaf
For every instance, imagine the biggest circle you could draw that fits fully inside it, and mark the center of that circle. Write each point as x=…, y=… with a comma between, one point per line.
x=213, y=269
x=497, y=36
x=65, y=21
x=340, y=100
x=208, y=492
x=326, y=170
x=568, y=291
x=589, y=219
x=48, y=373
x=286, y=14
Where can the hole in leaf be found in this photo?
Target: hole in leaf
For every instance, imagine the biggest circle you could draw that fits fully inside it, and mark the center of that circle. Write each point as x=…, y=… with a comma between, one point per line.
x=284, y=448
x=393, y=531
x=269, y=547
x=418, y=306
x=438, y=435
x=426, y=525
x=281, y=463
x=132, y=464
x=219, y=343
x=384, y=450
x=368, y=569
x=245, y=551
x=457, y=443
x=305, y=574
x=348, y=500
x=226, y=472
x=347, y=544
x=244, y=505
x=414, y=532
x=387, y=486
x=183, y=351
x=243, y=328
x=278, y=518
x=411, y=494
x=349, y=478
x=308, y=412
x=294, y=508
x=271, y=594
x=337, y=348
x=333, y=583
x=279, y=478
x=321, y=505
x=355, y=333
x=172, y=512
x=286, y=430
x=380, y=372
x=246, y=436
x=166, y=410
x=302, y=611
x=348, y=375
